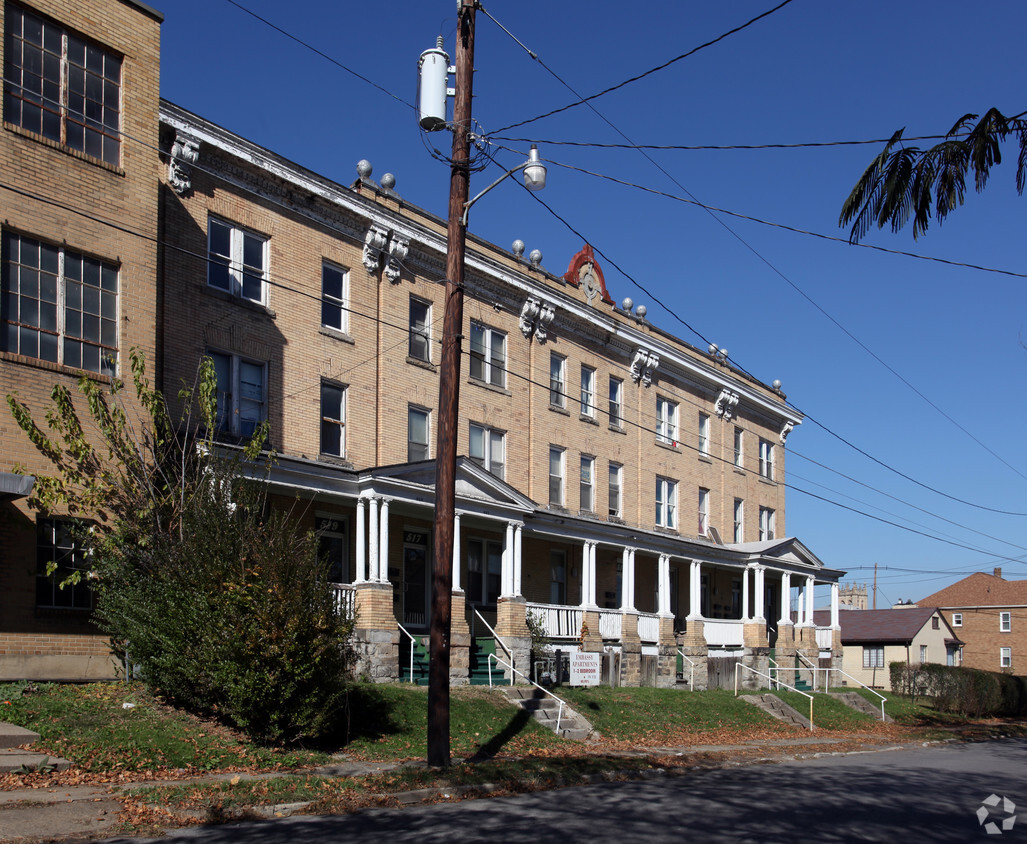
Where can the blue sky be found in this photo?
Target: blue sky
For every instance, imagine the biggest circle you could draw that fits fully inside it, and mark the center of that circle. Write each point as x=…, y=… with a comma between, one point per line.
x=920, y=364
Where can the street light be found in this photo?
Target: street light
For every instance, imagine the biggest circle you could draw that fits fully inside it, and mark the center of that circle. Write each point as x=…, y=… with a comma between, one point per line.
x=534, y=179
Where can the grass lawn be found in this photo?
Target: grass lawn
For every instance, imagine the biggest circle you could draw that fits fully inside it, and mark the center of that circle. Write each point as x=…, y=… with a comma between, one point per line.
x=828, y=713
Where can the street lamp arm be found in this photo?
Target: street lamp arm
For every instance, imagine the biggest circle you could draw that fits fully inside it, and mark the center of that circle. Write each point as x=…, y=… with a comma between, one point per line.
x=534, y=179
x=470, y=202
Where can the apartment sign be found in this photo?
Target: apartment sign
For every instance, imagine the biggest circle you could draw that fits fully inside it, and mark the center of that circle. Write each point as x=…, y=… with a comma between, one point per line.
x=584, y=669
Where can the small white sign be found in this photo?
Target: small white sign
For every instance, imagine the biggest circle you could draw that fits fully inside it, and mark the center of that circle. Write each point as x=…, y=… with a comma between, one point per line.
x=585, y=669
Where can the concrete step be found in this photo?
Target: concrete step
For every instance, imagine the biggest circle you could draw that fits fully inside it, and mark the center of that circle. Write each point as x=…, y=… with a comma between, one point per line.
x=546, y=711
x=12, y=736
x=14, y=760
x=860, y=704
x=774, y=706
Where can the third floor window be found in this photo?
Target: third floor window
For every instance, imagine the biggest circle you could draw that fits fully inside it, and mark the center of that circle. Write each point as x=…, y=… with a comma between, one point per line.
x=237, y=261
x=488, y=355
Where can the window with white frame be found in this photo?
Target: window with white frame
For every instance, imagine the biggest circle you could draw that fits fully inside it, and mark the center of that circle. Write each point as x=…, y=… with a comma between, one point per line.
x=556, y=475
x=57, y=545
x=873, y=656
x=767, y=459
x=488, y=355
x=236, y=261
x=739, y=520
x=666, y=421
x=487, y=448
x=704, y=434
x=420, y=330
x=923, y=654
x=557, y=380
x=616, y=402
x=61, y=86
x=666, y=502
x=587, y=485
x=704, y=511
x=333, y=419
x=1005, y=622
x=766, y=523
x=58, y=305
x=418, y=432
x=957, y=619
x=334, y=291
x=739, y=453
x=1005, y=659
x=588, y=391
x=242, y=393
x=616, y=474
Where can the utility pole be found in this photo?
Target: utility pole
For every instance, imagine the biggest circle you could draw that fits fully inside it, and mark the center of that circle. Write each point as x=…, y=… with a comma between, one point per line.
x=875, y=586
x=449, y=398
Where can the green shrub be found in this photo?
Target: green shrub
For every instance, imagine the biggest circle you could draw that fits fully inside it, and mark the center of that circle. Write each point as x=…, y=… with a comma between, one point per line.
x=967, y=691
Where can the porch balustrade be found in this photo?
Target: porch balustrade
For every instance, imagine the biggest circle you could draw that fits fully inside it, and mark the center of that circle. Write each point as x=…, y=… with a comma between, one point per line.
x=345, y=598
x=648, y=627
x=724, y=632
x=559, y=622
x=610, y=624
x=825, y=638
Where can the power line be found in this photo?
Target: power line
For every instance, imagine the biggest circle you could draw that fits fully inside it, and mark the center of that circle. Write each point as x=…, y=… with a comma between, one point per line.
x=549, y=142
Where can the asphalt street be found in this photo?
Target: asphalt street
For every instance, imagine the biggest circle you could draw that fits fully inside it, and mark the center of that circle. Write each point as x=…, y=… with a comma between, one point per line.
x=931, y=794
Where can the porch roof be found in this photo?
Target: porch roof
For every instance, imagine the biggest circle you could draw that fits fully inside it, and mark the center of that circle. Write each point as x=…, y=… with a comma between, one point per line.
x=15, y=486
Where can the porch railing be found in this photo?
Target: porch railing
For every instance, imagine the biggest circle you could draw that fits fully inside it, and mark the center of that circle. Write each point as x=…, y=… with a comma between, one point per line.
x=610, y=624
x=413, y=642
x=724, y=632
x=691, y=668
x=559, y=622
x=345, y=598
x=648, y=627
x=825, y=638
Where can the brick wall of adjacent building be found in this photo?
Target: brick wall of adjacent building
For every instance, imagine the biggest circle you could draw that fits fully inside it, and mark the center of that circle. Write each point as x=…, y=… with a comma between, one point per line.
x=983, y=639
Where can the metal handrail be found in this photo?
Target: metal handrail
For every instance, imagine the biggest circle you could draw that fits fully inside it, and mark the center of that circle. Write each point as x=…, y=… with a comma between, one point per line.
x=691, y=670
x=562, y=702
x=504, y=645
x=790, y=688
x=413, y=642
x=772, y=668
x=810, y=665
x=827, y=685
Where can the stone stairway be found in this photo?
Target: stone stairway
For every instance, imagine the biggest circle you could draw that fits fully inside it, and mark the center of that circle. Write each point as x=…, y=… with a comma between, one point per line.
x=773, y=705
x=546, y=710
x=13, y=758
x=860, y=704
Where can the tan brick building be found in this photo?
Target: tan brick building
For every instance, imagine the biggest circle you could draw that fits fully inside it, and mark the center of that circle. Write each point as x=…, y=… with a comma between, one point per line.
x=989, y=614
x=624, y=487
x=79, y=268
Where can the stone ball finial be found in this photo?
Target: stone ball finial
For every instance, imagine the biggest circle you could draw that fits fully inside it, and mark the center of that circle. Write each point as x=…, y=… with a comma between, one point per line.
x=641, y=310
x=535, y=257
x=388, y=181
x=627, y=304
x=364, y=168
x=777, y=384
x=517, y=247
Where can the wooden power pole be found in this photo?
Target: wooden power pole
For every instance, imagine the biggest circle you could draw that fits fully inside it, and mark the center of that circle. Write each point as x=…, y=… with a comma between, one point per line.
x=449, y=398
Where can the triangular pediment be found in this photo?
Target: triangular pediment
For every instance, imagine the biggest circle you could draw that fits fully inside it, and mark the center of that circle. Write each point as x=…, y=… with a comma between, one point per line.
x=786, y=550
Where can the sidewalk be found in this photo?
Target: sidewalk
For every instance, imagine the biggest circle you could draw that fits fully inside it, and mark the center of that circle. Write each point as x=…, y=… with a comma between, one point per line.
x=85, y=812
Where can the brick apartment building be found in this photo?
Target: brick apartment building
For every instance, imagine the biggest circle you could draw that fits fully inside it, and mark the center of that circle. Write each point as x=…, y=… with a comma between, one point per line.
x=79, y=268
x=603, y=461
x=989, y=614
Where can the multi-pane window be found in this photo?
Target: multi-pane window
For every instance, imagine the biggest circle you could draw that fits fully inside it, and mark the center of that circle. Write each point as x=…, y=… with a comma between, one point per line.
x=704, y=434
x=739, y=520
x=616, y=402
x=557, y=380
x=738, y=447
x=242, y=393
x=766, y=523
x=61, y=86
x=767, y=459
x=666, y=502
x=873, y=656
x=488, y=355
x=56, y=545
x=1005, y=622
x=236, y=261
x=588, y=484
x=58, y=305
x=1005, y=658
x=556, y=473
x=418, y=429
x=487, y=448
x=616, y=473
x=588, y=391
x=704, y=511
x=484, y=571
x=334, y=284
x=333, y=419
x=923, y=654
x=957, y=619
x=420, y=329
x=666, y=421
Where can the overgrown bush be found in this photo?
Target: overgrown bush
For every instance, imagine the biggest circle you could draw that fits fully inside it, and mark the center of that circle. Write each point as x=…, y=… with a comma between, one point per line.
x=222, y=603
x=968, y=691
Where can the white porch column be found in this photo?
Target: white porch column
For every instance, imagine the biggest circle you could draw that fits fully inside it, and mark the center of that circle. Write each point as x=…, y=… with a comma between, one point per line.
x=627, y=577
x=373, y=538
x=588, y=576
x=835, y=621
x=663, y=584
x=506, y=581
x=809, y=601
x=592, y=575
x=786, y=599
x=361, y=543
x=517, y=559
x=745, y=593
x=761, y=587
x=383, y=551
x=695, y=587
x=456, y=553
